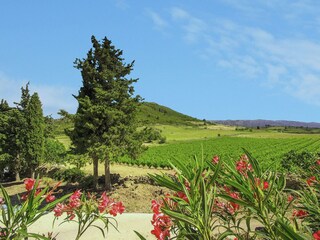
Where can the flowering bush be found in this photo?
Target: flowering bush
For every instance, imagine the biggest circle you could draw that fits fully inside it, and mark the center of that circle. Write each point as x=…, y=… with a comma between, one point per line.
x=299, y=162
x=17, y=218
x=85, y=209
x=213, y=200
x=307, y=207
x=187, y=214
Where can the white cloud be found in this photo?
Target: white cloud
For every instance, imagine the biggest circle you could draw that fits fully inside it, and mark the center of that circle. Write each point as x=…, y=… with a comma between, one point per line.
x=178, y=13
x=157, y=20
x=306, y=88
x=289, y=63
x=52, y=97
x=246, y=65
x=10, y=88
x=275, y=74
x=194, y=27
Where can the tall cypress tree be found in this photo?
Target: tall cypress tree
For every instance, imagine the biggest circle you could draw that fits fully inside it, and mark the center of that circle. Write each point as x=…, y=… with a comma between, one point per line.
x=35, y=134
x=22, y=133
x=105, y=122
x=12, y=124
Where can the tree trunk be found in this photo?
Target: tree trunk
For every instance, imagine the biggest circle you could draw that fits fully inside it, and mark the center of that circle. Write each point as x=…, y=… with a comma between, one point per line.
x=17, y=168
x=17, y=175
x=95, y=172
x=32, y=174
x=107, y=179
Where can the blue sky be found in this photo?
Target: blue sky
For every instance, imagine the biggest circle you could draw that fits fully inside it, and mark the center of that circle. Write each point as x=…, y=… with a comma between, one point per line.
x=212, y=59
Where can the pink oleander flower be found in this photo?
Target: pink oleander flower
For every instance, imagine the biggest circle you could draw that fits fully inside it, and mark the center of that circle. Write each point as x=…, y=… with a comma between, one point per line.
x=299, y=213
x=261, y=184
x=187, y=185
x=290, y=198
x=243, y=166
x=232, y=207
x=24, y=197
x=59, y=209
x=117, y=208
x=29, y=183
x=74, y=200
x=104, y=202
x=50, y=198
x=182, y=196
x=316, y=235
x=311, y=180
x=155, y=206
x=161, y=222
x=215, y=159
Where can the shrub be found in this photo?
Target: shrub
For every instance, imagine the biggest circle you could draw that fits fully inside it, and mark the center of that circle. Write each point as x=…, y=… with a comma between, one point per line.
x=162, y=140
x=54, y=151
x=17, y=218
x=70, y=175
x=78, y=160
x=85, y=209
x=298, y=162
x=149, y=134
x=308, y=202
x=213, y=200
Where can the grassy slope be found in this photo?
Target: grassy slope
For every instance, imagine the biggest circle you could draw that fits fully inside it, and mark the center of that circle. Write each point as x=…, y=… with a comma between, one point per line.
x=153, y=113
x=179, y=127
x=149, y=114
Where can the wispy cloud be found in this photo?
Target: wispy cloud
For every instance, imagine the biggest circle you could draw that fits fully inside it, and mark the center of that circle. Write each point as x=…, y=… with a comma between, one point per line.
x=122, y=4
x=11, y=88
x=194, y=27
x=52, y=97
x=289, y=63
x=157, y=20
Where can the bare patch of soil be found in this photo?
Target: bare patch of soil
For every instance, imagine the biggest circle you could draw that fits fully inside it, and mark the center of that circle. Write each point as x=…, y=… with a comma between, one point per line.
x=135, y=189
x=131, y=185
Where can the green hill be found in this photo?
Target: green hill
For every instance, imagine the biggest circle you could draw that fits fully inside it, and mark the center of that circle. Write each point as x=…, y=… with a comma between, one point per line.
x=153, y=113
x=148, y=114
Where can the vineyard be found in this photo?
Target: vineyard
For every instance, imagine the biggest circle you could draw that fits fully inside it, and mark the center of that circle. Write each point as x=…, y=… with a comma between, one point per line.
x=268, y=151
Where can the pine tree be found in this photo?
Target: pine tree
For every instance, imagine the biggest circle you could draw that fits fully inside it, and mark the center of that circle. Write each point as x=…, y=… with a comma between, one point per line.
x=35, y=134
x=105, y=124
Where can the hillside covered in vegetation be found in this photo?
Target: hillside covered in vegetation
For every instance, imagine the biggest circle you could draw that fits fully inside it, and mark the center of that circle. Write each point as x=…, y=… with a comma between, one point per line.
x=153, y=113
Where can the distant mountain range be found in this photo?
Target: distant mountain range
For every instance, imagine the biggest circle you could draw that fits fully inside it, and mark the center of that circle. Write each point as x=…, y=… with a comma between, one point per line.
x=263, y=123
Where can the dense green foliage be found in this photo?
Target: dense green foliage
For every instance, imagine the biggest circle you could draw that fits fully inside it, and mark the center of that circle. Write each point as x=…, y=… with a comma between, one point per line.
x=54, y=151
x=269, y=150
x=34, y=144
x=25, y=136
x=148, y=113
x=153, y=113
x=104, y=125
x=213, y=200
x=299, y=162
x=69, y=175
x=12, y=141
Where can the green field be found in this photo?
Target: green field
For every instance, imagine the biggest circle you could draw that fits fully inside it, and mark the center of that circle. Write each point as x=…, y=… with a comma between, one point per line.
x=184, y=142
x=268, y=151
x=187, y=137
